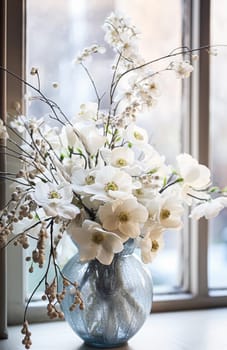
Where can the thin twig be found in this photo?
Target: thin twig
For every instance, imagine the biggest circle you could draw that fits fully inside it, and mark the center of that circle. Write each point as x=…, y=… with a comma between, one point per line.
x=93, y=83
x=32, y=87
x=184, y=51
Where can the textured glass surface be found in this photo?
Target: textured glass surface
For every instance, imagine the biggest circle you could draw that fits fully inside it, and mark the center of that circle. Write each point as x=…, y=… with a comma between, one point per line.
x=117, y=298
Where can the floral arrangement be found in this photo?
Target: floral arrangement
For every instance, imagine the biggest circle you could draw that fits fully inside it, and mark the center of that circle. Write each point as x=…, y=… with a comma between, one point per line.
x=96, y=178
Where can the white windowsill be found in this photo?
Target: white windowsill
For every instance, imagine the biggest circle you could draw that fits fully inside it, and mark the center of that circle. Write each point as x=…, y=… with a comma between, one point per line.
x=187, y=330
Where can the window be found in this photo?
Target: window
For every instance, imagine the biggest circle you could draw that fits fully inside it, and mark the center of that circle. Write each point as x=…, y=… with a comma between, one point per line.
x=218, y=226
x=188, y=252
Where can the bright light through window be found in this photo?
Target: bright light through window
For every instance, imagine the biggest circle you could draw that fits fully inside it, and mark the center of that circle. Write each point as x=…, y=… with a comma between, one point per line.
x=218, y=104
x=61, y=28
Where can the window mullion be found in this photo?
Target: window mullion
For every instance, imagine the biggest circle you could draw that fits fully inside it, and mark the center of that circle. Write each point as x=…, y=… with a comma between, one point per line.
x=200, y=140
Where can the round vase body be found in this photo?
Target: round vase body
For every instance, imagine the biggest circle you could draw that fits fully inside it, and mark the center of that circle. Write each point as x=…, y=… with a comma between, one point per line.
x=117, y=298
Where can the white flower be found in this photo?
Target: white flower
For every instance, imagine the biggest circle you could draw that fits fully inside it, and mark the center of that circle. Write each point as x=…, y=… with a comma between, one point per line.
x=121, y=35
x=81, y=178
x=3, y=131
x=136, y=135
x=153, y=87
x=119, y=157
x=170, y=213
x=196, y=176
x=110, y=183
x=65, y=250
x=152, y=162
x=183, y=69
x=55, y=200
x=212, y=51
x=94, y=242
x=165, y=210
x=90, y=136
x=209, y=209
x=68, y=139
x=125, y=216
x=150, y=247
x=193, y=173
x=88, y=52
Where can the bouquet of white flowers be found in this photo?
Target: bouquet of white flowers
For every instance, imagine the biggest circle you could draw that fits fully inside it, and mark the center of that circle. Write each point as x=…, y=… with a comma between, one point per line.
x=96, y=177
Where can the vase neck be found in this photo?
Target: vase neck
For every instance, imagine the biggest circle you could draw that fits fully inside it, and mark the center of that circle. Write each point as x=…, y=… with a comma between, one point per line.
x=129, y=247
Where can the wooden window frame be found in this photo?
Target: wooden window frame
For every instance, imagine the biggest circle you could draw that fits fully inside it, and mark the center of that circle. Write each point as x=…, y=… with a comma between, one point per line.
x=3, y=271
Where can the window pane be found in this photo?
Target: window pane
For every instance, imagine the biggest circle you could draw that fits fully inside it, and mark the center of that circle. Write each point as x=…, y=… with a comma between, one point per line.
x=218, y=105
x=53, y=42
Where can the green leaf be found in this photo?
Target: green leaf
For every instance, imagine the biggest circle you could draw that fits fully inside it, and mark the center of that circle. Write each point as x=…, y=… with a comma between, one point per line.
x=152, y=171
x=79, y=151
x=164, y=181
x=214, y=189
x=180, y=179
x=36, y=216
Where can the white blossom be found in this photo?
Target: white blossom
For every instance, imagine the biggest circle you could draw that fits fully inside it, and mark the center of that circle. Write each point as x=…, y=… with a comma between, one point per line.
x=94, y=242
x=126, y=216
x=88, y=52
x=166, y=210
x=90, y=137
x=136, y=135
x=150, y=247
x=209, y=209
x=68, y=139
x=120, y=157
x=81, y=178
x=196, y=177
x=183, y=69
x=110, y=183
x=55, y=200
x=121, y=34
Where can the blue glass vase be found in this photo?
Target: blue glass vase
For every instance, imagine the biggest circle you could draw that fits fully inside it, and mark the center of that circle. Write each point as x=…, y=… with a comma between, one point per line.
x=117, y=298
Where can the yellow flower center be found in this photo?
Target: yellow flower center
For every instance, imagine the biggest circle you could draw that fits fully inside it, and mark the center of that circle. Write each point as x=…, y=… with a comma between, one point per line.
x=165, y=214
x=90, y=180
x=138, y=136
x=121, y=162
x=139, y=192
x=54, y=195
x=98, y=237
x=111, y=186
x=155, y=246
x=123, y=217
